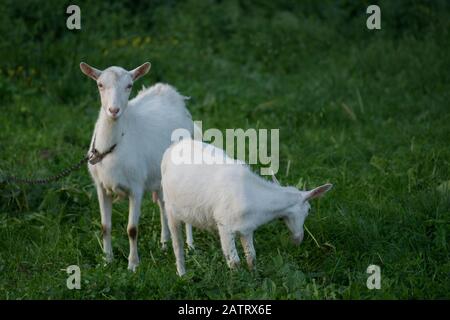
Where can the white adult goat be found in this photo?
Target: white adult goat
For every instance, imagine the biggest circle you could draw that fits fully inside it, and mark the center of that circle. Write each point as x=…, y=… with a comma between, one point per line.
x=129, y=140
x=207, y=189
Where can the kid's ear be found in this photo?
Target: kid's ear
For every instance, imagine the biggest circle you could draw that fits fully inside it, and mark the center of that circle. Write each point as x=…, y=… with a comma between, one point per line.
x=140, y=71
x=91, y=72
x=318, y=192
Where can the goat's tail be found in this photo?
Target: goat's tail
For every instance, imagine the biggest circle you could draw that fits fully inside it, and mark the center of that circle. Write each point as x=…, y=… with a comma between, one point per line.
x=144, y=88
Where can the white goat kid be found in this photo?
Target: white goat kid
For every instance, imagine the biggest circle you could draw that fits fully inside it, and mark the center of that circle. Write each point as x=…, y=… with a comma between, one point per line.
x=227, y=197
x=129, y=140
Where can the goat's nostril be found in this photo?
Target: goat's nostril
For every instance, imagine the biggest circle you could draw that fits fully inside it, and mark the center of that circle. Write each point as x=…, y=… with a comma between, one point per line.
x=114, y=110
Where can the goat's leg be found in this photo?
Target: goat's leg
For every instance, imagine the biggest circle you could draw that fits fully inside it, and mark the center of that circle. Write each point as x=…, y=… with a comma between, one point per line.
x=177, y=241
x=249, y=249
x=132, y=229
x=229, y=247
x=105, y=202
x=189, y=237
x=165, y=233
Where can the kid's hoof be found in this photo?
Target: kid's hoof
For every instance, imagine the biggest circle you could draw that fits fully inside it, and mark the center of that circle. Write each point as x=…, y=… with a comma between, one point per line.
x=132, y=267
x=108, y=258
x=251, y=265
x=234, y=265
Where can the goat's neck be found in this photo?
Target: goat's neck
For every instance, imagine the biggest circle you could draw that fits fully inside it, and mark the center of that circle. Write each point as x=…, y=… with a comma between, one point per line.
x=107, y=131
x=277, y=204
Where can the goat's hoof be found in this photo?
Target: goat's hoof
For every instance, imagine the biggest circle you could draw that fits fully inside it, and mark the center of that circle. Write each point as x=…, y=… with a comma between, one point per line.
x=108, y=258
x=181, y=273
x=163, y=246
x=190, y=247
x=133, y=264
x=234, y=265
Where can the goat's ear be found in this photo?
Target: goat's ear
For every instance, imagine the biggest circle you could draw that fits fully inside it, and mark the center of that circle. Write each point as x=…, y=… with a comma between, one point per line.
x=318, y=192
x=91, y=72
x=140, y=71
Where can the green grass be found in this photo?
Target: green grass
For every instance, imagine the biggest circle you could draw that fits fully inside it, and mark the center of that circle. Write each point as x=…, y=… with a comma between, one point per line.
x=367, y=111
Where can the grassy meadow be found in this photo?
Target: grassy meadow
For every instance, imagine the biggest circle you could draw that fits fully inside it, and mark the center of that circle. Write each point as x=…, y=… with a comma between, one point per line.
x=365, y=110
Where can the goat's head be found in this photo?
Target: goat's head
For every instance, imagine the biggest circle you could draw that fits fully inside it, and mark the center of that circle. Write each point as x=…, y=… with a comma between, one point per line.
x=114, y=85
x=296, y=215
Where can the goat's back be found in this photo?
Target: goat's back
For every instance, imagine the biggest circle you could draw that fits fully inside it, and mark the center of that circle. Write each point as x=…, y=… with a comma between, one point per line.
x=205, y=194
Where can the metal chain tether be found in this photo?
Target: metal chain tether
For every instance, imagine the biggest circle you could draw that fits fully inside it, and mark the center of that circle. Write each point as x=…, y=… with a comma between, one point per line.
x=93, y=158
x=62, y=174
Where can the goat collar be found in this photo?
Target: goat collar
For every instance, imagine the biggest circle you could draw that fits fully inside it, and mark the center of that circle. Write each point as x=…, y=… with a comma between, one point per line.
x=97, y=156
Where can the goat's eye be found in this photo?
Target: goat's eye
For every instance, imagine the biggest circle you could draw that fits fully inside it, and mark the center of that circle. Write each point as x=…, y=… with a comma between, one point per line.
x=129, y=86
x=100, y=85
